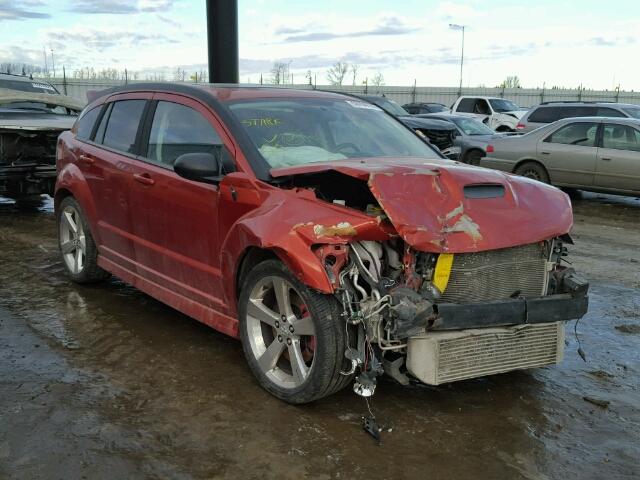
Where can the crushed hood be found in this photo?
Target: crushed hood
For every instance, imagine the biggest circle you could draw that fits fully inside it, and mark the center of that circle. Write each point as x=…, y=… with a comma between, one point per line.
x=9, y=96
x=443, y=206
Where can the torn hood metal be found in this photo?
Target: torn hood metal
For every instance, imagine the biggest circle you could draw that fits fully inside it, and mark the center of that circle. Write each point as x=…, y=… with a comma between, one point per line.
x=9, y=96
x=444, y=206
x=37, y=121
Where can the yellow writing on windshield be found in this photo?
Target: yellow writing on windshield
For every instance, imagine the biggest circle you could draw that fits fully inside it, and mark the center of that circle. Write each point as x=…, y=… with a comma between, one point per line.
x=262, y=122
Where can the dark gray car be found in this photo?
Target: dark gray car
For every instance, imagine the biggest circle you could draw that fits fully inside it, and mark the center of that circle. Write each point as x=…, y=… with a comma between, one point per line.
x=590, y=153
x=549, y=112
x=473, y=136
x=438, y=133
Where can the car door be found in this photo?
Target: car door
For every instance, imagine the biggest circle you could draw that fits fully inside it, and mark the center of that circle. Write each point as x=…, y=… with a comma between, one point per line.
x=569, y=153
x=106, y=162
x=618, y=165
x=175, y=220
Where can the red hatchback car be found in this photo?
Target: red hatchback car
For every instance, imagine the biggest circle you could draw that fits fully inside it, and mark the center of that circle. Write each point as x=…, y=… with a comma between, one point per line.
x=332, y=240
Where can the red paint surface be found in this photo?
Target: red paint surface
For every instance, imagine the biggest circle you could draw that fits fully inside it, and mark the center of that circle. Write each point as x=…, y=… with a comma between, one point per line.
x=183, y=242
x=425, y=203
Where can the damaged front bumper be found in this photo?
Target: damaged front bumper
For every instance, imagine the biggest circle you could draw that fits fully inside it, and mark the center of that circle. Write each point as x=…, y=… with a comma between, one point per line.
x=551, y=308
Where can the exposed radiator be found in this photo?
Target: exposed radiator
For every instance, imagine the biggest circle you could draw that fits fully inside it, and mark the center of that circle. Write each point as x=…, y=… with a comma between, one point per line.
x=497, y=274
x=442, y=357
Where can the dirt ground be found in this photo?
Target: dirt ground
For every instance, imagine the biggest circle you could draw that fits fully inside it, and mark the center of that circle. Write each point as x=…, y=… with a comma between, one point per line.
x=104, y=382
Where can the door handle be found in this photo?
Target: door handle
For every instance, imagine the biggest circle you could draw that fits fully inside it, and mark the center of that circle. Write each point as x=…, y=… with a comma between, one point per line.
x=545, y=153
x=143, y=178
x=86, y=159
x=606, y=159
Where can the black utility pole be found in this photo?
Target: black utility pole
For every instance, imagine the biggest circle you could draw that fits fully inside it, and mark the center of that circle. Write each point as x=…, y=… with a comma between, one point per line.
x=222, y=40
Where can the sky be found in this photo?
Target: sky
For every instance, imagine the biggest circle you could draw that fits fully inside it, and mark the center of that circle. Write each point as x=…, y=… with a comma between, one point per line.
x=544, y=42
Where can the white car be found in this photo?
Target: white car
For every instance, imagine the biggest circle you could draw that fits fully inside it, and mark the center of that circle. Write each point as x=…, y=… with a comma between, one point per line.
x=497, y=113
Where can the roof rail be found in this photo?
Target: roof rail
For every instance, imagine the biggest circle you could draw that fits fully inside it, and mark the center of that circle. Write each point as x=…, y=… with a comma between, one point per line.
x=572, y=101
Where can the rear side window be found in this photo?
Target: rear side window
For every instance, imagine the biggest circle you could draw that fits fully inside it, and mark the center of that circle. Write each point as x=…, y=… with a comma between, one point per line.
x=122, y=126
x=466, y=105
x=579, y=133
x=609, y=112
x=178, y=129
x=544, y=115
x=86, y=124
x=620, y=137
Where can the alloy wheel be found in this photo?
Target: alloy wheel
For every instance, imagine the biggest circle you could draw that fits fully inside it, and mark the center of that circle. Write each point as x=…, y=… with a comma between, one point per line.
x=72, y=240
x=281, y=332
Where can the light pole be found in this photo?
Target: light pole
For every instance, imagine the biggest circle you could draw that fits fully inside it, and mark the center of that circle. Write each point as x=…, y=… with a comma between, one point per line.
x=454, y=26
x=53, y=64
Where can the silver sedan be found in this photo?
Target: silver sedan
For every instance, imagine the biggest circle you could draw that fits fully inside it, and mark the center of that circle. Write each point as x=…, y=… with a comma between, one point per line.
x=597, y=154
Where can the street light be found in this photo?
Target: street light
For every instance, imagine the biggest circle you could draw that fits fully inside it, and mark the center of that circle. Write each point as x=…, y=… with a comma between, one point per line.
x=454, y=26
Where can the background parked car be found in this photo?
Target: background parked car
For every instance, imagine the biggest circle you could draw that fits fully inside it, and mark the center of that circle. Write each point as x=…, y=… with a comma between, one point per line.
x=499, y=114
x=439, y=134
x=32, y=115
x=473, y=136
x=591, y=153
x=425, y=107
x=549, y=112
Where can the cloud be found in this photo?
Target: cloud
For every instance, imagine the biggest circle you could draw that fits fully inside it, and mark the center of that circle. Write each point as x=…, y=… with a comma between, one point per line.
x=100, y=41
x=611, y=41
x=121, y=6
x=169, y=21
x=388, y=26
x=23, y=10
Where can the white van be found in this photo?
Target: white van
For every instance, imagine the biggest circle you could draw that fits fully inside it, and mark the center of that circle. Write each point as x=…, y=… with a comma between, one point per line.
x=499, y=114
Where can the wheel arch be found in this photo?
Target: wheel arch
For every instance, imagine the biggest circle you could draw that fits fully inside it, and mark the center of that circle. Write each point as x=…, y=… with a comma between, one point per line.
x=71, y=183
x=471, y=151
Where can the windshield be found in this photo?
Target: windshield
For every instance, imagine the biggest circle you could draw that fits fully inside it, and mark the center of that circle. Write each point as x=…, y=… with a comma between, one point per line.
x=291, y=132
x=633, y=111
x=500, y=105
x=436, y=107
x=389, y=105
x=30, y=86
x=472, y=127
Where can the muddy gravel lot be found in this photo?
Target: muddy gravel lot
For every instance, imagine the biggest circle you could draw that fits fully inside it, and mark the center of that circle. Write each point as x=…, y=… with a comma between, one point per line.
x=105, y=382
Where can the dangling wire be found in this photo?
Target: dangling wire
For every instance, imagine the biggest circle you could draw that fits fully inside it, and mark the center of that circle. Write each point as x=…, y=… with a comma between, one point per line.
x=575, y=332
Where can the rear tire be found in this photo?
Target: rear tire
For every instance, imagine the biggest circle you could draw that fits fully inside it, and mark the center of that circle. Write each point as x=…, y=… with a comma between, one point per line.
x=533, y=170
x=77, y=247
x=293, y=337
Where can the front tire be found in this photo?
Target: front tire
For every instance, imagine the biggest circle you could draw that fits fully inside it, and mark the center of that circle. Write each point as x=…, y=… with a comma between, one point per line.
x=293, y=338
x=533, y=170
x=77, y=247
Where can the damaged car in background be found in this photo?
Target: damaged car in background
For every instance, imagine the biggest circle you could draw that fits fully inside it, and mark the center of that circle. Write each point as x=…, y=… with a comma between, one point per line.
x=327, y=236
x=32, y=115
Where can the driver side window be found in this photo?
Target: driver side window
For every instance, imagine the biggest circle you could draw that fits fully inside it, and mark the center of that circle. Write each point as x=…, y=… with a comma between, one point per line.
x=178, y=129
x=482, y=107
x=580, y=133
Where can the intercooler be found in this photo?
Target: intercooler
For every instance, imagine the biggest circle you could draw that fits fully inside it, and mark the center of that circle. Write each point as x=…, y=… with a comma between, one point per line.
x=441, y=357
x=497, y=274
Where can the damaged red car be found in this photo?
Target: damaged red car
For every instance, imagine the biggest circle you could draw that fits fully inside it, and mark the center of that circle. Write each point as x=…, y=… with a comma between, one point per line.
x=330, y=239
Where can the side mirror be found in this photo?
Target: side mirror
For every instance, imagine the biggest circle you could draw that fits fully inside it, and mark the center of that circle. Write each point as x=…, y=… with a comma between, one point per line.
x=200, y=167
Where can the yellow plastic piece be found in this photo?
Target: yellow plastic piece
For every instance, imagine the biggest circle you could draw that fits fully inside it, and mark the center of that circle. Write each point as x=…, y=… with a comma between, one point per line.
x=443, y=271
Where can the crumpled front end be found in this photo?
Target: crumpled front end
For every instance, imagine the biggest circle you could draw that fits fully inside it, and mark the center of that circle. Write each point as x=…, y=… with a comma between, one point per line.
x=471, y=280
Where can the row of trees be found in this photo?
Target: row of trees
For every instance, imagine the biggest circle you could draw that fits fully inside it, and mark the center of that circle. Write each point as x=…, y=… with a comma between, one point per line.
x=337, y=74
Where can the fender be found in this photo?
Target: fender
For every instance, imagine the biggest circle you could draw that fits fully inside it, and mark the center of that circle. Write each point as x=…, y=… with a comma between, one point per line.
x=70, y=178
x=289, y=223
